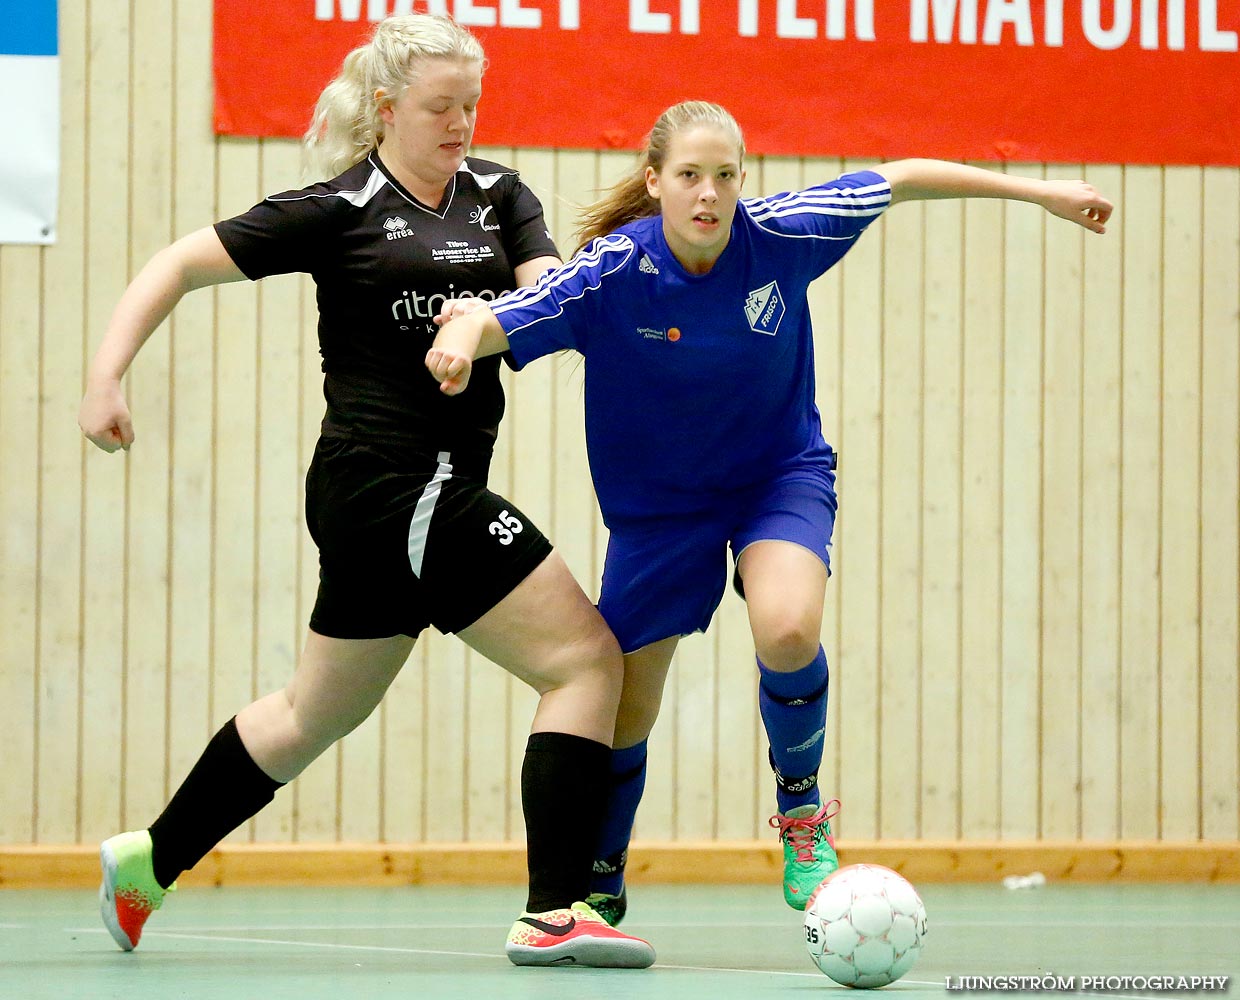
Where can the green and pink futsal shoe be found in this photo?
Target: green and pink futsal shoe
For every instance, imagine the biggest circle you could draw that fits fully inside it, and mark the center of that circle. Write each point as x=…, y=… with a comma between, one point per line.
x=575, y=936
x=809, y=849
x=129, y=893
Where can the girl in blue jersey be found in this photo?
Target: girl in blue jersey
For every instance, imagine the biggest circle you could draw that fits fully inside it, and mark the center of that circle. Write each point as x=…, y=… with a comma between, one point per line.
x=689, y=305
x=396, y=497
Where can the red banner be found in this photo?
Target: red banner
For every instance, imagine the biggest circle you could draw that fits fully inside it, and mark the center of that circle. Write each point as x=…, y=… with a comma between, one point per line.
x=1063, y=81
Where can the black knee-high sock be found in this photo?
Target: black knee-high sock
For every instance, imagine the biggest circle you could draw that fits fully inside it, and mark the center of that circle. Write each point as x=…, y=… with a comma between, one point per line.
x=563, y=793
x=224, y=789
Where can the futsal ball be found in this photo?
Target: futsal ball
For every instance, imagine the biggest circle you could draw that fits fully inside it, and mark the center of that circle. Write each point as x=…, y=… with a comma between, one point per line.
x=864, y=926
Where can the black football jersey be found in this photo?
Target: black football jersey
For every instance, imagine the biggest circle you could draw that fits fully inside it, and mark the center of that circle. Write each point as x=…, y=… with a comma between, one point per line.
x=383, y=263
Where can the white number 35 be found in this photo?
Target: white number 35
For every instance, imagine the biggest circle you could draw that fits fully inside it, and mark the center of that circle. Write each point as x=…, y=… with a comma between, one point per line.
x=505, y=527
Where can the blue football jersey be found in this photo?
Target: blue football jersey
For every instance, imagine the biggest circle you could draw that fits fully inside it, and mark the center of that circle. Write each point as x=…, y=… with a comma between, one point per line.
x=696, y=385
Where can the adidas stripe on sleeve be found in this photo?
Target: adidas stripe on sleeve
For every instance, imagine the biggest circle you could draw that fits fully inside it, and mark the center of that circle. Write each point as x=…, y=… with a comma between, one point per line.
x=828, y=218
x=556, y=313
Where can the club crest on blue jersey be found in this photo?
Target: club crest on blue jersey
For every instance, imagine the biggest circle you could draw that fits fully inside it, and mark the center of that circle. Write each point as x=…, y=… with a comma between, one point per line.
x=764, y=308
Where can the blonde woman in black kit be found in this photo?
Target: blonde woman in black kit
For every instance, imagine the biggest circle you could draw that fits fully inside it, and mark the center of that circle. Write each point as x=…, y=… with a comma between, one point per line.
x=396, y=498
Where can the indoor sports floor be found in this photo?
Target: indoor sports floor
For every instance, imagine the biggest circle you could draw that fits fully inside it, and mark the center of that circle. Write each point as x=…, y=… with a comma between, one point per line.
x=717, y=942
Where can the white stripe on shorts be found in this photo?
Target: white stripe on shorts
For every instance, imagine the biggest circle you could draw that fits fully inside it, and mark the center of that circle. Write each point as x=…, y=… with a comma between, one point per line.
x=420, y=526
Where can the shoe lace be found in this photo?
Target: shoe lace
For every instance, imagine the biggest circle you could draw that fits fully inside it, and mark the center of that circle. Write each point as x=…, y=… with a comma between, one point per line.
x=801, y=832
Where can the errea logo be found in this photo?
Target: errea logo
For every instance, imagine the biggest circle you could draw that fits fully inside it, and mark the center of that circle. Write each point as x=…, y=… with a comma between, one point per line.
x=764, y=308
x=397, y=228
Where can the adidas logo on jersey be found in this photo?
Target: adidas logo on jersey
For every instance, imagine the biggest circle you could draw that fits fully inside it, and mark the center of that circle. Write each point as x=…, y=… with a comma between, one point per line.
x=646, y=265
x=397, y=228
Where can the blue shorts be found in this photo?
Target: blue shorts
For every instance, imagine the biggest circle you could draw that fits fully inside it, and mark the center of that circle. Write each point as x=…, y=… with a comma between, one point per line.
x=665, y=575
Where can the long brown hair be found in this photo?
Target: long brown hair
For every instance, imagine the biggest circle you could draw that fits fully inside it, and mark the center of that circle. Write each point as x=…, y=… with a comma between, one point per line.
x=628, y=200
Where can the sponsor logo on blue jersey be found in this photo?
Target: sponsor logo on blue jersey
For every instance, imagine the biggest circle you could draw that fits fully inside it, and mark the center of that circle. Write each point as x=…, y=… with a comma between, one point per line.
x=670, y=335
x=764, y=308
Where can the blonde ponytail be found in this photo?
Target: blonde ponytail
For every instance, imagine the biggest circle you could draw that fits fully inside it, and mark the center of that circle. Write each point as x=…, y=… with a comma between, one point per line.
x=347, y=123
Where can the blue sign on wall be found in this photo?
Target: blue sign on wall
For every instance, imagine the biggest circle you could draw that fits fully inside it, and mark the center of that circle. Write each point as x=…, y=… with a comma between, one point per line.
x=28, y=28
x=29, y=108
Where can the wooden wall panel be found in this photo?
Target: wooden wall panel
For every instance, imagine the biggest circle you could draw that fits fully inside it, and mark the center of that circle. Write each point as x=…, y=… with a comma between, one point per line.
x=939, y=638
x=1219, y=771
x=982, y=456
x=104, y=607
x=1060, y=633
x=1032, y=625
x=902, y=466
x=56, y=725
x=1020, y=514
x=148, y=509
x=1142, y=469
x=1179, y=554
x=19, y=528
x=1101, y=353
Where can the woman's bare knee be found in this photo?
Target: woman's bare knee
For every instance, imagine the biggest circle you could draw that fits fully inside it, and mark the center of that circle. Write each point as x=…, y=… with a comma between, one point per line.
x=788, y=643
x=635, y=720
x=591, y=658
x=337, y=685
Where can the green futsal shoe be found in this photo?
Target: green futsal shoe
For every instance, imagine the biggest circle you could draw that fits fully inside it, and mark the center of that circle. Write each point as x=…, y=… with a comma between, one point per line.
x=129, y=893
x=610, y=908
x=809, y=849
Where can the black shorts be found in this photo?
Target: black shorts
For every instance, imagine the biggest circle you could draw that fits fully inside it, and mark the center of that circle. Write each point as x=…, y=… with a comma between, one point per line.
x=404, y=547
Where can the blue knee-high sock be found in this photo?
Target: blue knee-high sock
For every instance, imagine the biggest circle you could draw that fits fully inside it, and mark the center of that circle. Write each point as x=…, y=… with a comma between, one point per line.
x=628, y=781
x=794, y=711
